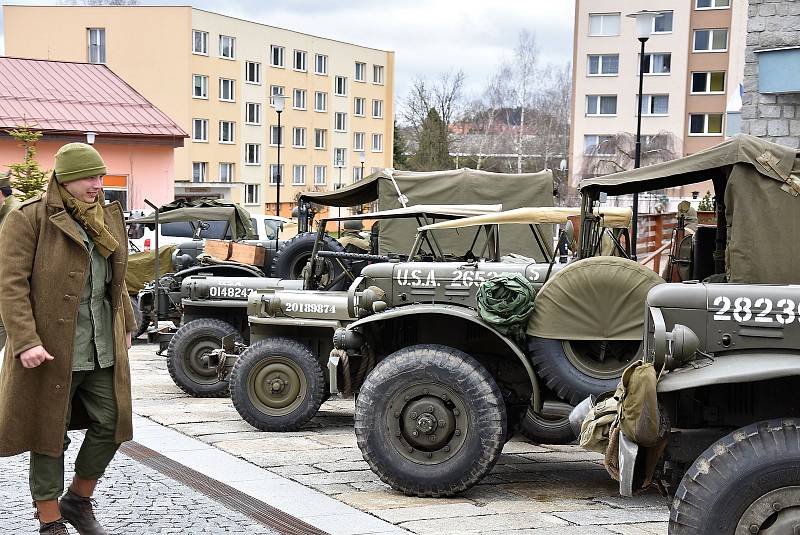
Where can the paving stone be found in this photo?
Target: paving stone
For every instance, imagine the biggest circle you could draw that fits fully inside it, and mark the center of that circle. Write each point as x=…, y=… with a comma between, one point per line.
x=520, y=446
x=484, y=524
x=614, y=516
x=649, y=528
x=295, y=470
x=336, y=477
x=647, y=499
x=336, y=441
x=426, y=512
x=273, y=443
x=390, y=499
x=343, y=466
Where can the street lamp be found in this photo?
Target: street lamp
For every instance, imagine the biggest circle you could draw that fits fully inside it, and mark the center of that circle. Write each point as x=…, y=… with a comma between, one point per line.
x=339, y=162
x=644, y=25
x=277, y=103
x=362, y=157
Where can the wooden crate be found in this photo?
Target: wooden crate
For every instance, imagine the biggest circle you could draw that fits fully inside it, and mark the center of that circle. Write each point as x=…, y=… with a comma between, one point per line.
x=238, y=252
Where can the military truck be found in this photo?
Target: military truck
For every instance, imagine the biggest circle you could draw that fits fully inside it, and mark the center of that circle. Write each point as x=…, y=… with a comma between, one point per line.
x=731, y=348
x=214, y=307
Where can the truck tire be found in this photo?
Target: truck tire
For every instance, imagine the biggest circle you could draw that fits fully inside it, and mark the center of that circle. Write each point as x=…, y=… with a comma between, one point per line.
x=277, y=384
x=452, y=404
x=746, y=482
x=141, y=324
x=188, y=357
x=550, y=427
x=573, y=370
x=290, y=259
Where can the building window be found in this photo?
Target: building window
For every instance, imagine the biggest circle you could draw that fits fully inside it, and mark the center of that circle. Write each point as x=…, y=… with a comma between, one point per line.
x=339, y=157
x=299, y=137
x=340, y=86
x=358, y=141
x=377, y=74
x=299, y=175
x=663, y=23
x=199, y=171
x=320, y=136
x=199, y=42
x=377, y=109
x=320, y=64
x=604, y=65
x=276, y=56
x=252, y=153
x=252, y=113
x=226, y=47
x=320, y=101
x=252, y=72
x=712, y=4
x=199, y=86
x=340, y=122
x=226, y=172
x=358, y=173
x=601, y=104
x=601, y=24
x=300, y=61
x=657, y=63
x=708, y=82
x=598, y=145
x=275, y=135
x=251, y=194
x=359, y=103
x=710, y=41
x=299, y=99
x=377, y=142
x=96, y=38
x=319, y=175
x=361, y=72
x=705, y=124
x=275, y=174
x=655, y=104
x=200, y=130
x=226, y=90
x=226, y=131
x=275, y=90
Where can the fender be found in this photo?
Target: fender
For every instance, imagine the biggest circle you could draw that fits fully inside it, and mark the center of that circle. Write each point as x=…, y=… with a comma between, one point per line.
x=739, y=367
x=467, y=314
x=243, y=270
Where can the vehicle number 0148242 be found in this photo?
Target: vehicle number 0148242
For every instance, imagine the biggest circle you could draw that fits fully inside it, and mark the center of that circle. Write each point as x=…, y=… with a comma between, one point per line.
x=310, y=307
x=229, y=291
x=743, y=309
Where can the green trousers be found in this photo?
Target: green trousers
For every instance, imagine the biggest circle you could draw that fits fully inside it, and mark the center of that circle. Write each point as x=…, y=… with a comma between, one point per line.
x=95, y=389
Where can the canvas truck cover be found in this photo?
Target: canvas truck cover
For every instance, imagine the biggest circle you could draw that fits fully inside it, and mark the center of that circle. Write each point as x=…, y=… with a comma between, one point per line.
x=760, y=182
x=142, y=267
x=457, y=186
x=205, y=210
x=612, y=217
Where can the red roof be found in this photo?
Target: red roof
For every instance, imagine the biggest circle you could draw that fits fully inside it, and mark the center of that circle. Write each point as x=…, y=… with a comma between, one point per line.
x=76, y=97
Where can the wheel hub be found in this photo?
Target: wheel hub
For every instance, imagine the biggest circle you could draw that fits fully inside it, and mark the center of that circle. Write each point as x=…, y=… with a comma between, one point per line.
x=428, y=422
x=201, y=362
x=775, y=513
x=276, y=385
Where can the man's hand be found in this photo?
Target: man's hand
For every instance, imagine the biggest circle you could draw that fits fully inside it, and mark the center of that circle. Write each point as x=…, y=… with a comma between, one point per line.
x=129, y=338
x=35, y=356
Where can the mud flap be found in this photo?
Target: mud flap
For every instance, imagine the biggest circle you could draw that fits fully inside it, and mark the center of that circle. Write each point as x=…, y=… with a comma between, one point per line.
x=628, y=450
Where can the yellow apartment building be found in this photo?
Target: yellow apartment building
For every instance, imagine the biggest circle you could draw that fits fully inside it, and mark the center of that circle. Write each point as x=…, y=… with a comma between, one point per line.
x=215, y=76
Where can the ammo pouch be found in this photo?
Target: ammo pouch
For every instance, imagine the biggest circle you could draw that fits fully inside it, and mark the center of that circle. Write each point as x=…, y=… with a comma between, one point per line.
x=596, y=427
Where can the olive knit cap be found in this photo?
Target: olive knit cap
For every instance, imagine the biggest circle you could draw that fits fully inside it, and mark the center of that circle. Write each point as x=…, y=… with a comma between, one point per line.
x=75, y=161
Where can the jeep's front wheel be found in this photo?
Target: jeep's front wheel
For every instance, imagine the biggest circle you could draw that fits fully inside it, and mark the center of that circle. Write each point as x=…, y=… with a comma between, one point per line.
x=277, y=384
x=190, y=360
x=746, y=482
x=577, y=369
x=430, y=421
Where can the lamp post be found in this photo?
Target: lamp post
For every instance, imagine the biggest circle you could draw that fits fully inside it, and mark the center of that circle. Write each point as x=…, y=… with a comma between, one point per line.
x=340, y=164
x=362, y=157
x=644, y=25
x=277, y=103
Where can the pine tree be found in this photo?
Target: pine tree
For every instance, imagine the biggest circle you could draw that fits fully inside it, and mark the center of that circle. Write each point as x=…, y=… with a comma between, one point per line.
x=433, y=151
x=400, y=158
x=27, y=177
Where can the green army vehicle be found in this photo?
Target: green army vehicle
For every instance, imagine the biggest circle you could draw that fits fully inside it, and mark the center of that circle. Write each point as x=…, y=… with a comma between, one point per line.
x=729, y=409
x=214, y=307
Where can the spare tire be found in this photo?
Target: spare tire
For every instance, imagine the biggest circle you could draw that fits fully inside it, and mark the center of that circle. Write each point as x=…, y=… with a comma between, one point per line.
x=290, y=259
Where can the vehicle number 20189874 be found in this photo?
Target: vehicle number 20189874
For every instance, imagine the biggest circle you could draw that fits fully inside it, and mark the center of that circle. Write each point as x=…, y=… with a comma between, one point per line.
x=760, y=310
x=310, y=307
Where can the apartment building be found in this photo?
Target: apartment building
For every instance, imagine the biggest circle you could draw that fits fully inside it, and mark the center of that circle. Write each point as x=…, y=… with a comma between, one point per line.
x=216, y=76
x=693, y=67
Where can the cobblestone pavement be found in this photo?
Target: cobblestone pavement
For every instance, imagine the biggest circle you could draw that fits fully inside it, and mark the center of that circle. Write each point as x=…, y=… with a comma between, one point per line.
x=532, y=489
x=131, y=499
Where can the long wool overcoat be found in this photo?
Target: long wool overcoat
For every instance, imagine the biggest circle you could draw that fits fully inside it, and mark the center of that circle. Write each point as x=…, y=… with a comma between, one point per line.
x=44, y=266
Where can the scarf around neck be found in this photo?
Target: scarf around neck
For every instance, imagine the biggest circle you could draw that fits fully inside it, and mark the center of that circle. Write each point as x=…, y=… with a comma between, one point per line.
x=90, y=217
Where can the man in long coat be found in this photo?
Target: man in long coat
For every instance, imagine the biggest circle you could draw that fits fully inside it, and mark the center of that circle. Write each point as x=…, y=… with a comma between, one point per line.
x=8, y=202
x=69, y=323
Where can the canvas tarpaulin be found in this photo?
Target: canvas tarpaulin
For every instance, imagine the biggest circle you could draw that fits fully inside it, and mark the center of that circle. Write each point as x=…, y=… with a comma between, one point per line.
x=761, y=182
x=142, y=267
x=599, y=298
x=457, y=186
x=205, y=210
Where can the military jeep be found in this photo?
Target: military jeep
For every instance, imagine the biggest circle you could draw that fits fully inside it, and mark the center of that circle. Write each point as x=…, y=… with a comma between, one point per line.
x=730, y=348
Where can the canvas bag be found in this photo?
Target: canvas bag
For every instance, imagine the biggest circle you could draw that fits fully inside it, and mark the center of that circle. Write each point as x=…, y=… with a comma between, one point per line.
x=596, y=426
x=638, y=412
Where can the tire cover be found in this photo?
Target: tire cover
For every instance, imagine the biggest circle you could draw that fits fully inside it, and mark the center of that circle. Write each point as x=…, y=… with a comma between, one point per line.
x=599, y=298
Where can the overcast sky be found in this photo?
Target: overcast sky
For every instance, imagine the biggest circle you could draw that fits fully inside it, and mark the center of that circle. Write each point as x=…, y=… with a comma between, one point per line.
x=427, y=37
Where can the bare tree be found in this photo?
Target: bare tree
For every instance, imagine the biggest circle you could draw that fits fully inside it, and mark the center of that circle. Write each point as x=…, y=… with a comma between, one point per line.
x=520, y=75
x=617, y=152
x=444, y=94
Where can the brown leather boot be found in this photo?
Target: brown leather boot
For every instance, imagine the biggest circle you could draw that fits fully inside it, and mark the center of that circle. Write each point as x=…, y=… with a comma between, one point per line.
x=78, y=511
x=54, y=528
